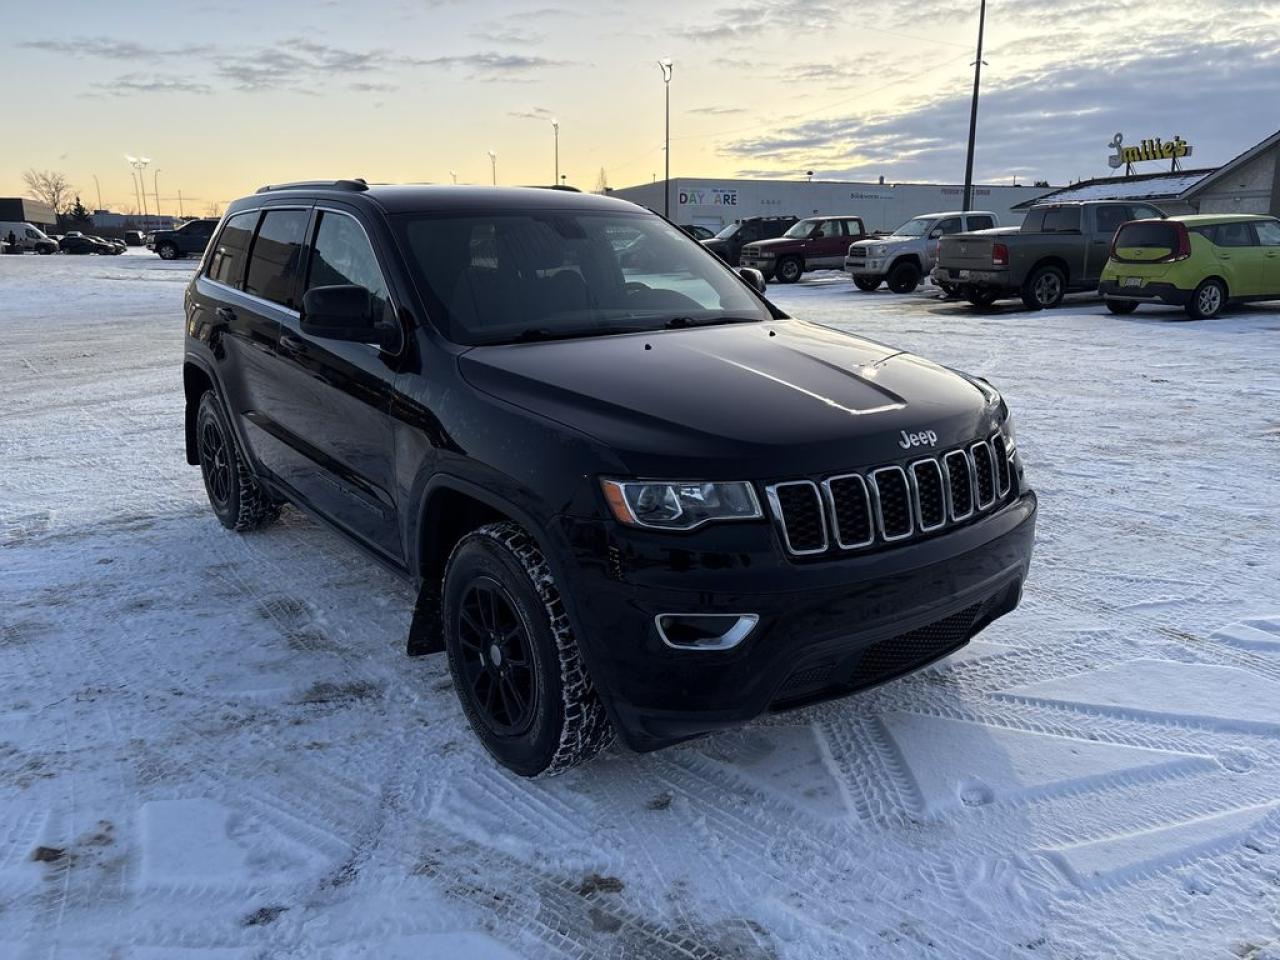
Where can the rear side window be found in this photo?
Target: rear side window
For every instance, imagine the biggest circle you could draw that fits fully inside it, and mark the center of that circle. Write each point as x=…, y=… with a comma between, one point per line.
x=854, y=227
x=1061, y=219
x=273, y=264
x=1110, y=217
x=981, y=222
x=948, y=226
x=227, y=263
x=1033, y=222
x=1147, y=236
x=1268, y=232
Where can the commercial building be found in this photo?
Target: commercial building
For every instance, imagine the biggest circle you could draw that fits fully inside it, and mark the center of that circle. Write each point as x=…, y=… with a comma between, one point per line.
x=1250, y=183
x=882, y=206
x=24, y=210
x=106, y=220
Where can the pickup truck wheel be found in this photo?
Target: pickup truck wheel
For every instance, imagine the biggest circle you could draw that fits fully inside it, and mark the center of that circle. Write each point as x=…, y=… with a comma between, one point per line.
x=1208, y=300
x=516, y=665
x=904, y=278
x=167, y=251
x=866, y=283
x=239, y=501
x=788, y=270
x=1044, y=289
x=1121, y=307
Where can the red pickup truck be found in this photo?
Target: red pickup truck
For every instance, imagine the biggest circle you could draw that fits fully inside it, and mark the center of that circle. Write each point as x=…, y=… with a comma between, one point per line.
x=814, y=243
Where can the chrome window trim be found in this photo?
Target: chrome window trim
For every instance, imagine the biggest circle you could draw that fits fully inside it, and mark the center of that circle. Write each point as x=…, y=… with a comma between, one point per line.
x=977, y=496
x=1002, y=490
x=875, y=488
x=835, y=519
x=253, y=296
x=771, y=491
x=946, y=470
x=915, y=493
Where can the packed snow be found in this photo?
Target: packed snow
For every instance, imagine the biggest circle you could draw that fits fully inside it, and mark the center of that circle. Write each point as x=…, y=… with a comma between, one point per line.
x=212, y=746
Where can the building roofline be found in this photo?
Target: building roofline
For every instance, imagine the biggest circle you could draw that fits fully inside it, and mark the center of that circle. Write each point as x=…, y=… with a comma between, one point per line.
x=1049, y=197
x=1234, y=164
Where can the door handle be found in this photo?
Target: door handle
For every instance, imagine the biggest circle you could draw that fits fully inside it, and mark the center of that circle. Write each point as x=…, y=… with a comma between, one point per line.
x=291, y=344
x=226, y=313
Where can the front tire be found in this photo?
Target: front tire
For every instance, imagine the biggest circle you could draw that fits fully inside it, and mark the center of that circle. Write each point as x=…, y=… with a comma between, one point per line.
x=788, y=270
x=866, y=284
x=516, y=664
x=904, y=278
x=239, y=501
x=1044, y=288
x=167, y=251
x=1207, y=301
x=1121, y=307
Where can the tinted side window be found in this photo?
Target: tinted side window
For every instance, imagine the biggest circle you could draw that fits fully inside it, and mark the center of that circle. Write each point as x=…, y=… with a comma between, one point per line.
x=949, y=225
x=1034, y=221
x=273, y=263
x=1110, y=217
x=341, y=255
x=981, y=222
x=1141, y=211
x=1268, y=233
x=1232, y=235
x=853, y=228
x=227, y=263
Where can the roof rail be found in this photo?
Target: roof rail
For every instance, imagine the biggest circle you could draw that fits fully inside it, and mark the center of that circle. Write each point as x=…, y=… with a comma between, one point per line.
x=554, y=186
x=356, y=185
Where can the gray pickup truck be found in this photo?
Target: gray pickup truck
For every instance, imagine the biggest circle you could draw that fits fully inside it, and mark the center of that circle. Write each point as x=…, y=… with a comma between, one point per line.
x=1060, y=248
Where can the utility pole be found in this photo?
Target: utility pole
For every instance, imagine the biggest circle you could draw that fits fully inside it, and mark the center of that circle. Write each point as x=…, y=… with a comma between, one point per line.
x=98, y=187
x=973, y=112
x=493, y=162
x=181, y=215
x=133, y=178
x=666, y=66
x=140, y=164
x=155, y=188
x=555, y=127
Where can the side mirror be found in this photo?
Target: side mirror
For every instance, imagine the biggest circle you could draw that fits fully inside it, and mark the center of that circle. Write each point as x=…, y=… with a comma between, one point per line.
x=753, y=277
x=343, y=312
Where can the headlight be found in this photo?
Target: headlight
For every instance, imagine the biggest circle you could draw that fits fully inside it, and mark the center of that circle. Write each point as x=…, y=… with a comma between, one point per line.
x=879, y=251
x=679, y=504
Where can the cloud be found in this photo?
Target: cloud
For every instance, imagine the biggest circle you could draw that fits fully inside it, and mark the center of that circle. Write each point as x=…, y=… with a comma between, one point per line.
x=130, y=84
x=716, y=111
x=372, y=86
x=533, y=113
x=492, y=65
x=504, y=33
x=107, y=48
x=756, y=18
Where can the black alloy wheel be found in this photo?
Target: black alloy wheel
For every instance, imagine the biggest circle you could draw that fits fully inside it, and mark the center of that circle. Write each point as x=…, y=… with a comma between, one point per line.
x=215, y=463
x=866, y=284
x=788, y=270
x=499, y=671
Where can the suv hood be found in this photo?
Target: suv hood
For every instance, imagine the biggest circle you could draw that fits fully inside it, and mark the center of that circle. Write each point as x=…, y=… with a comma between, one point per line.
x=891, y=239
x=750, y=400
x=777, y=243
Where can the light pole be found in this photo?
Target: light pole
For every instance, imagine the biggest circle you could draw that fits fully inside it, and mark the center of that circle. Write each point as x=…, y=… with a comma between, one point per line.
x=181, y=215
x=140, y=165
x=155, y=188
x=454, y=176
x=493, y=162
x=666, y=65
x=973, y=112
x=555, y=128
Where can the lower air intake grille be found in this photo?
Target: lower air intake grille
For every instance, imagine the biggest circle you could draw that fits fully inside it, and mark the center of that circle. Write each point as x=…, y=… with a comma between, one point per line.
x=888, y=658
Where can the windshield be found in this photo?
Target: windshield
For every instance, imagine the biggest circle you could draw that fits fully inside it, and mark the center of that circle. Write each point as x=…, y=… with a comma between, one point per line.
x=913, y=228
x=499, y=278
x=728, y=231
x=801, y=228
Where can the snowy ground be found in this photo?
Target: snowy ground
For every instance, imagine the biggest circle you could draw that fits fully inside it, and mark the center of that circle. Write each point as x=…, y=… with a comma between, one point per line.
x=212, y=747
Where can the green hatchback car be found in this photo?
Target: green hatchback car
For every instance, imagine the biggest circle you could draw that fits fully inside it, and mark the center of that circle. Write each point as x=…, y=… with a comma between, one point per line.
x=1200, y=263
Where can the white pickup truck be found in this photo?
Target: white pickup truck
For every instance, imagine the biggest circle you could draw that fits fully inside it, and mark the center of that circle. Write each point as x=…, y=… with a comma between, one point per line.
x=906, y=256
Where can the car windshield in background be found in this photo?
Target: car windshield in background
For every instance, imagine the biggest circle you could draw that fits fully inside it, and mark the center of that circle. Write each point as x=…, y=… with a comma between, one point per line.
x=493, y=278
x=912, y=228
x=728, y=231
x=801, y=228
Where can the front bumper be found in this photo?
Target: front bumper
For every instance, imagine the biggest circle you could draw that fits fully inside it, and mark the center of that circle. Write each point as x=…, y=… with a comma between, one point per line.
x=825, y=629
x=764, y=264
x=1149, y=292
x=866, y=267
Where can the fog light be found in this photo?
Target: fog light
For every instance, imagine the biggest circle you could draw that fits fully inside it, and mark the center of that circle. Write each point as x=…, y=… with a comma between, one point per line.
x=704, y=631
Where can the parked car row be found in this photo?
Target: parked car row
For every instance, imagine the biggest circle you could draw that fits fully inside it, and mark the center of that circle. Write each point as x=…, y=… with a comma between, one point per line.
x=76, y=242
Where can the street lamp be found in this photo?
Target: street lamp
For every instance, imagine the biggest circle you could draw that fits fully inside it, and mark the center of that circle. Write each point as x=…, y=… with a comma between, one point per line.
x=665, y=66
x=155, y=187
x=493, y=162
x=454, y=176
x=139, y=164
x=555, y=127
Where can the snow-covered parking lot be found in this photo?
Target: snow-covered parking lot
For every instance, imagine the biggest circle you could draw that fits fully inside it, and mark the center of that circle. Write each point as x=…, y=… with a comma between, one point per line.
x=212, y=746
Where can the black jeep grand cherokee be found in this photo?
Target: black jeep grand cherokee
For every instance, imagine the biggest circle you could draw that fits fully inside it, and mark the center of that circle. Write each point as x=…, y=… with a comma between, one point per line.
x=643, y=502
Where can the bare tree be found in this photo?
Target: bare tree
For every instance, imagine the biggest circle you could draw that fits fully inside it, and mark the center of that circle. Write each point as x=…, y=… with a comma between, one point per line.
x=214, y=209
x=51, y=186
x=602, y=182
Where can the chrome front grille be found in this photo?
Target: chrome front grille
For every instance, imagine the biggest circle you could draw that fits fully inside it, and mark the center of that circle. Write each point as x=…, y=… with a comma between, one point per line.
x=890, y=504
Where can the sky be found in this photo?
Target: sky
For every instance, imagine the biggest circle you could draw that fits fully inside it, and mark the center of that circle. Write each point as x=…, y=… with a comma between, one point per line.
x=224, y=96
